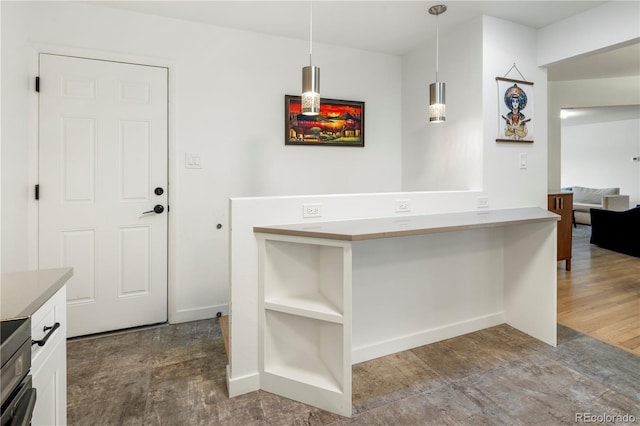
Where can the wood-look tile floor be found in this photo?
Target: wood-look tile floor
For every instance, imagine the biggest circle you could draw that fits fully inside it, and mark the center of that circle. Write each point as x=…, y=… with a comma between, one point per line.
x=175, y=375
x=600, y=296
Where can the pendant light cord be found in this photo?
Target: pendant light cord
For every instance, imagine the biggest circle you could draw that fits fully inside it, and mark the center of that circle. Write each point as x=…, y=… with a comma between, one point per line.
x=310, y=30
x=437, y=46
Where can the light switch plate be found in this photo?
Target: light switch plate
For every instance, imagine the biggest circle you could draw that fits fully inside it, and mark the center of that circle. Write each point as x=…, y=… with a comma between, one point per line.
x=523, y=160
x=192, y=160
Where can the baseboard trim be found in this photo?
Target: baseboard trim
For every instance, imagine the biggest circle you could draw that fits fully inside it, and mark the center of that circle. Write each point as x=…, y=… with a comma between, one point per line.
x=241, y=385
x=251, y=382
x=196, y=314
x=413, y=340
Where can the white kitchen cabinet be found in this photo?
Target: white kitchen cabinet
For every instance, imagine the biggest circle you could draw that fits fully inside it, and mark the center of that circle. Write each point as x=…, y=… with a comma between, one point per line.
x=49, y=361
x=305, y=320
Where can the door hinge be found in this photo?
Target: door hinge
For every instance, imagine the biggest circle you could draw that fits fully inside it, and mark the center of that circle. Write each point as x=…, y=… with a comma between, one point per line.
x=37, y=84
x=37, y=192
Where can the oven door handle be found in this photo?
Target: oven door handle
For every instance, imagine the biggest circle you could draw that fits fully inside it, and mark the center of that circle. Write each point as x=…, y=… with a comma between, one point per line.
x=51, y=331
x=24, y=411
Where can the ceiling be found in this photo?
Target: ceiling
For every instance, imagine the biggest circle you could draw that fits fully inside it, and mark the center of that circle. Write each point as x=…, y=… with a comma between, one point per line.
x=616, y=62
x=390, y=27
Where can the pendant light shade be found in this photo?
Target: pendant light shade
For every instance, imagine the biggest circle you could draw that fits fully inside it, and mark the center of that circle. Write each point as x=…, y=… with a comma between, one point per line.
x=437, y=107
x=311, y=90
x=310, y=77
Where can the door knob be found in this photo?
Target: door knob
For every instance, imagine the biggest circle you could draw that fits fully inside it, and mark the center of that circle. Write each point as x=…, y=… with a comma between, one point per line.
x=158, y=208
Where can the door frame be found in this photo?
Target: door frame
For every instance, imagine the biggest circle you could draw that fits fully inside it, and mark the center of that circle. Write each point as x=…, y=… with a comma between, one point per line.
x=33, y=150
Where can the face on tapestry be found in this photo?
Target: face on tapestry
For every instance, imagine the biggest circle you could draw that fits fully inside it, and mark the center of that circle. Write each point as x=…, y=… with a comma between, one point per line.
x=515, y=98
x=514, y=103
x=516, y=122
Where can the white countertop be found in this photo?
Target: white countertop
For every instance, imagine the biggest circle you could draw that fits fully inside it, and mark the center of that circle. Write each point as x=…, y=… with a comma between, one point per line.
x=400, y=226
x=22, y=293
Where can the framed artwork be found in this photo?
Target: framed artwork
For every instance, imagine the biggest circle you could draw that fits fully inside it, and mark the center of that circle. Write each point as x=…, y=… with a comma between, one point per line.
x=515, y=104
x=340, y=123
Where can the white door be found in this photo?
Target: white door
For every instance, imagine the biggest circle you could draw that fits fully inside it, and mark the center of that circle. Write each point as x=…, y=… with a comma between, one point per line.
x=103, y=168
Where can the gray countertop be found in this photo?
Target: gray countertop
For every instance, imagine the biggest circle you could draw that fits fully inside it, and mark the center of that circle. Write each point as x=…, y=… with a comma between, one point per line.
x=400, y=226
x=22, y=293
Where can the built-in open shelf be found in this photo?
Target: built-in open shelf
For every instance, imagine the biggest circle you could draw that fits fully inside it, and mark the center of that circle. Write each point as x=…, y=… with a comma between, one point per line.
x=304, y=277
x=305, y=350
x=318, y=378
x=311, y=306
x=305, y=320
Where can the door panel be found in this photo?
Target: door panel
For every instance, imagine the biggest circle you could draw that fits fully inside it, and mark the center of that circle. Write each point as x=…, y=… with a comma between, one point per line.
x=77, y=248
x=134, y=146
x=134, y=261
x=103, y=151
x=77, y=168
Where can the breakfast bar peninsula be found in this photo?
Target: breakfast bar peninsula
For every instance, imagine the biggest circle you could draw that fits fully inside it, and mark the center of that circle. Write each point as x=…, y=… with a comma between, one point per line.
x=331, y=294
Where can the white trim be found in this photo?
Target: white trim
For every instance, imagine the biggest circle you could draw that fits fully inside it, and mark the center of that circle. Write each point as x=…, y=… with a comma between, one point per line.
x=195, y=314
x=242, y=385
x=33, y=163
x=425, y=337
x=103, y=55
x=54, y=49
x=251, y=382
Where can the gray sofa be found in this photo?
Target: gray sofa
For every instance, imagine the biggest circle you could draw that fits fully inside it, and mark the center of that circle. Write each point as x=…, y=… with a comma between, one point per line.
x=585, y=199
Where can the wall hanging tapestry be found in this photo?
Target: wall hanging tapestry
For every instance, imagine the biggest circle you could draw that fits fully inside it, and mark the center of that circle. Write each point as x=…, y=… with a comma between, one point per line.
x=515, y=106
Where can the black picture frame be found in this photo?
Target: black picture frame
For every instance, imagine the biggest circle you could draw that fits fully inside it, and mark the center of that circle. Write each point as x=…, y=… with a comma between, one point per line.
x=340, y=123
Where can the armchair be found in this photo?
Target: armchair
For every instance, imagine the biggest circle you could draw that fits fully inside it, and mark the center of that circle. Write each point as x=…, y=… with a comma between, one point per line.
x=617, y=231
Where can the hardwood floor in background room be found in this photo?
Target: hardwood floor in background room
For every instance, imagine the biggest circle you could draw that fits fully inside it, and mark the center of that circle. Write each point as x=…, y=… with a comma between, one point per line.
x=600, y=296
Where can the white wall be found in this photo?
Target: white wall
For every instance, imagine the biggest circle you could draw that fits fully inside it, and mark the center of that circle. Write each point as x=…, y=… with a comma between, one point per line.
x=16, y=133
x=227, y=97
x=599, y=155
x=612, y=24
x=462, y=154
x=445, y=156
x=583, y=93
x=504, y=181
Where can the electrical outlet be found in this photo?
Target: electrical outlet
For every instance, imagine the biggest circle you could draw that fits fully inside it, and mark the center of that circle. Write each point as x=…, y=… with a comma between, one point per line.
x=403, y=206
x=483, y=202
x=312, y=210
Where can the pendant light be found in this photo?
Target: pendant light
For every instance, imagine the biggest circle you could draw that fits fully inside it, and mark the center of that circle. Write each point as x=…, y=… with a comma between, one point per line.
x=310, y=77
x=437, y=107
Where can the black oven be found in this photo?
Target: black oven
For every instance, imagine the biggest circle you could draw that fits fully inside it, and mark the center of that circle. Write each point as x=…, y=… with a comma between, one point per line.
x=17, y=393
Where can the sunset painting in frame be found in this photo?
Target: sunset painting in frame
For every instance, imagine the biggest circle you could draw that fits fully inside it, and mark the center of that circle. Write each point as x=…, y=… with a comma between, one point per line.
x=340, y=123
